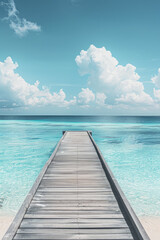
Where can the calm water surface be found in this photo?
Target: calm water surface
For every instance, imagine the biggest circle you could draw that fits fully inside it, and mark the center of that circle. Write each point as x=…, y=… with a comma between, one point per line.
x=130, y=145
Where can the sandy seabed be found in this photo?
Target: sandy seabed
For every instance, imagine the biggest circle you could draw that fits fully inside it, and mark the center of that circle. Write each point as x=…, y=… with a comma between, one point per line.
x=151, y=225
x=5, y=222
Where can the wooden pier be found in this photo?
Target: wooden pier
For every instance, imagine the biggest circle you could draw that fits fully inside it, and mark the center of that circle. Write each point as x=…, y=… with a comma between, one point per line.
x=76, y=197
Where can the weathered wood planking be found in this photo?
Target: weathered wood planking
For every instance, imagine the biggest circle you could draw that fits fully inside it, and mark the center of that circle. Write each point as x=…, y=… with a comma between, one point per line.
x=76, y=197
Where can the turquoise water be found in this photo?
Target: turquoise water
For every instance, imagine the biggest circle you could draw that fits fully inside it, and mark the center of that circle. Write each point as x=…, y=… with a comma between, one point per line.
x=130, y=145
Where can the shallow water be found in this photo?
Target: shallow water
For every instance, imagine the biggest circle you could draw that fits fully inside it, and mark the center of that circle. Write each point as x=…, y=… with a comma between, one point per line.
x=130, y=145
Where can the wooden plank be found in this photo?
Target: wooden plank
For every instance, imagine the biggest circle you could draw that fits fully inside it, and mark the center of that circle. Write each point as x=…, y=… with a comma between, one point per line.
x=80, y=205
x=74, y=225
x=73, y=231
x=78, y=220
x=42, y=207
x=74, y=189
x=72, y=198
x=46, y=236
x=74, y=193
x=72, y=212
x=73, y=215
x=76, y=202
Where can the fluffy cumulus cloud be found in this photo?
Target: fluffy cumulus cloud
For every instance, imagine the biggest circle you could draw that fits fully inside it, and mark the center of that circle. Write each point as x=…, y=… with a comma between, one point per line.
x=21, y=26
x=86, y=96
x=119, y=84
x=156, y=82
x=100, y=98
x=16, y=92
x=156, y=79
x=157, y=94
x=134, y=98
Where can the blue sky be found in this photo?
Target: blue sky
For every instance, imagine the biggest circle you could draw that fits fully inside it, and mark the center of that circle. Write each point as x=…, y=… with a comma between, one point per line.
x=80, y=57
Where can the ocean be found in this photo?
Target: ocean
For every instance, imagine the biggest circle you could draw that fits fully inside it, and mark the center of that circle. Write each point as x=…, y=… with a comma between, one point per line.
x=130, y=145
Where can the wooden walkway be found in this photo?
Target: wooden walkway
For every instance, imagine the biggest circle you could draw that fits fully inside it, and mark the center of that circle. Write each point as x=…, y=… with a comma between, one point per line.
x=76, y=197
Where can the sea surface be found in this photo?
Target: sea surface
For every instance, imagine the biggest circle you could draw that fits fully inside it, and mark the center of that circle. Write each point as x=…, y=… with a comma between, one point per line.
x=130, y=145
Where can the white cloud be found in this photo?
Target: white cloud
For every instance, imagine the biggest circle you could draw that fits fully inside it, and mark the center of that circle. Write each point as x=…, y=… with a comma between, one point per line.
x=100, y=98
x=86, y=96
x=16, y=92
x=157, y=94
x=118, y=83
x=133, y=98
x=156, y=79
x=20, y=26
